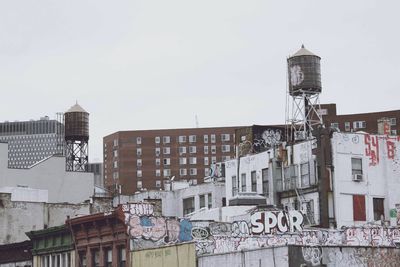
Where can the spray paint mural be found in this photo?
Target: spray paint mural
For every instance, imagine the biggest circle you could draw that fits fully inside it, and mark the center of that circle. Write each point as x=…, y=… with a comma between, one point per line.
x=148, y=231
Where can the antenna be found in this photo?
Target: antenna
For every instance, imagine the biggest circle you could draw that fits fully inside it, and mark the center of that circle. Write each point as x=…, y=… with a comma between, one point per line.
x=197, y=121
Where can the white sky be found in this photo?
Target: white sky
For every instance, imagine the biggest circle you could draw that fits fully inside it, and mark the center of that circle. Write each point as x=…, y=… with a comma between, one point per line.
x=156, y=64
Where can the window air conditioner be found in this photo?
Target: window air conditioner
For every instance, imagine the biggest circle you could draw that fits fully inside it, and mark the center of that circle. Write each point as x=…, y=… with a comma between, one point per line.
x=357, y=177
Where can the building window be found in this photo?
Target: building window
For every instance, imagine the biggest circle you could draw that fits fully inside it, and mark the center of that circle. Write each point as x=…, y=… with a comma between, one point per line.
x=158, y=183
x=167, y=172
x=182, y=139
x=206, y=172
x=115, y=153
x=202, y=199
x=192, y=149
x=95, y=258
x=225, y=158
x=205, y=149
x=108, y=258
x=206, y=161
x=166, y=139
x=253, y=181
x=359, y=208
x=305, y=174
x=393, y=132
x=166, y=150
x=225, y=148
x=158, y=173
x=139, y=184
x=182, y=161
x=188, y=205
x=182, y=172
x=193, y=171
x=243, y=180
x=347, y=126
x=379, y=212
x=157, y=139
x=121, y=257
x=265, y=182
x=213, y=139
x=139, y=162
x=213, y=149
x=193, y=160
x=115, y=175
x=167, y=161
x=82, y=259
x=359, y=125
x=115, y=142
x=225, y=137
x=213, y=160
x=138, y=140
x=139, y=173
x=139, y=152
x=205, y=138
x=209, y=201
x=158, y=162
x=393, y=121
x=182, y=150
x=192, y=139
x=356, y=166
x=335, y=125
x=158, y=151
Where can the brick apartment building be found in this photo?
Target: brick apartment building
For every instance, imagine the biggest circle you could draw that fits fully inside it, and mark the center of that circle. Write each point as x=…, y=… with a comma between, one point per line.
x=367, y=122
x=145, y=159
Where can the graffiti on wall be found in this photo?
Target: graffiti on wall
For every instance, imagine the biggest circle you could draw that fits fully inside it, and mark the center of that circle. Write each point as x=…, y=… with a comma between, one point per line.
x=280, y=221
x=263, y=140
x=373, y=150
x=147, y=230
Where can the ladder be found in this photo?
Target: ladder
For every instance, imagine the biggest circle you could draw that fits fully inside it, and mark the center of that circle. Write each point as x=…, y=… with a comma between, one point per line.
x=302, y=200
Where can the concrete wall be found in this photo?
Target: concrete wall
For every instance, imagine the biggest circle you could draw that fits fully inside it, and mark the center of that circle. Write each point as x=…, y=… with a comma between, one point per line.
x=343, y=256
x=172, y=201
x=18, y=217
x=381, y=171
x=277, y=256
x=17, y=264
x=170, y=256
x=50, y=175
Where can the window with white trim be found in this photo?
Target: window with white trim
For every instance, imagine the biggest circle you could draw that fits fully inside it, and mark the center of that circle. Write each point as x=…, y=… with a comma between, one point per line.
x=192, y=160
x=393, y=121
x=139, y=162
x=182, y=150
x=359, y=125
x=205, y=138
x=166, y=139
x=206, y=162
x=166, y=172
x=167, y=161
x=158, y=172
x=158, y=162
x=206, y=171
x=213, y=160
x=225, y=148
x=347, y=126
x=213, y=139
x=205, y=149
x=158, y=183
x=115, y=164
x=139, y=173
x=192, y=138
x=182, y=161
x=139, y=184
x=157, y=139
x=157, y=151
x=182, y=172
x=213, y=149
x=166, y=150
x=138, y=140
x=356, y=166
x=115, y=153
x=225, y=137
x=138, y=152
x=335, y=125
x=193, y=171
x=192, y=149
x=225, y=158
x=182, y=139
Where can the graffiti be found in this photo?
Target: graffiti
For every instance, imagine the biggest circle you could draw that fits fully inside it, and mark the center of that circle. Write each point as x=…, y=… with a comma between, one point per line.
x=268, y=139
x=240, y=228
x=185, y=232
x=218, y=228
x=372, y=149
x=265, y=222
x=138, y=209
x=312, y=255
x=199, y=233
x=355, y=139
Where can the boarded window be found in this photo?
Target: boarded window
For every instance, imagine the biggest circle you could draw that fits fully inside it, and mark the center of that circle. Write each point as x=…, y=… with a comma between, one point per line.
x=359, y=208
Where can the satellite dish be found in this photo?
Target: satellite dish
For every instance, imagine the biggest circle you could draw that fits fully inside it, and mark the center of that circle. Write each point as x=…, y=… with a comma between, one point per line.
x=172, y=178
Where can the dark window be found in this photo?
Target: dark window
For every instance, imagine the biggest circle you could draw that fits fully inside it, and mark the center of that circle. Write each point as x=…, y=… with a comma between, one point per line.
x=108, y=257
x=356, y=166
x=234, y=186
x=224, y=202
x=265, y=182
x=82, y=259
x=210, y=201
x=378, y=208
x=95, y=258
x=243, y=178
x=359, y=208
x=253, y=181
x=121, y=257
x=202, y=201
x=188, y=205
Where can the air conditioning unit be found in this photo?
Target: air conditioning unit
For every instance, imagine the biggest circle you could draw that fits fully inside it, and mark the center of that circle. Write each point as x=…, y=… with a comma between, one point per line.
x=357, y=177
x=299, y=136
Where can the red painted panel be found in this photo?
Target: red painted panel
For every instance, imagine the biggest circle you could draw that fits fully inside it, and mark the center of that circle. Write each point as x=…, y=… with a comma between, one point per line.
x=359, y=213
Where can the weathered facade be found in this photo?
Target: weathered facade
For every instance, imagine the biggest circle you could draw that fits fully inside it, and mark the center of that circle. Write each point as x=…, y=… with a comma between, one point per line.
x=16, y=254
x=100, y=240
x=52, y=247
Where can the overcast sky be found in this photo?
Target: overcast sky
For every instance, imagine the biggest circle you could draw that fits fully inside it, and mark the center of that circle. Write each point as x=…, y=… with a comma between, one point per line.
x=157, y=64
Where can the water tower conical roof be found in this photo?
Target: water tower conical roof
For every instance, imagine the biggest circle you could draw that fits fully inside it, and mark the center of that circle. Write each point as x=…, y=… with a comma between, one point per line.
x=303, y=52
x=76, y=108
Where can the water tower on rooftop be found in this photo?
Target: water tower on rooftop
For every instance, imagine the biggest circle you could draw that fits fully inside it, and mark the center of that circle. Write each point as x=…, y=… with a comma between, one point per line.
x=304, y=88
x=76, y=121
